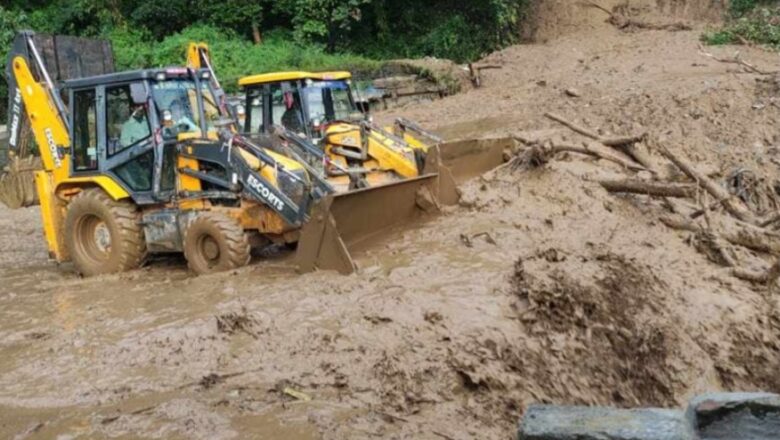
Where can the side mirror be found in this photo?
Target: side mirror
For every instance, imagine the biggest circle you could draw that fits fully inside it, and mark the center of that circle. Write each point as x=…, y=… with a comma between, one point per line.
x=138, y=93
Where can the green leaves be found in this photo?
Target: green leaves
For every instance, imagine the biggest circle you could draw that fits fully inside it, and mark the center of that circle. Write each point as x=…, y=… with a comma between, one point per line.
x=761, y=25
x=10, y=22
x=233, y=57
x=296, y=34
x=324, y=22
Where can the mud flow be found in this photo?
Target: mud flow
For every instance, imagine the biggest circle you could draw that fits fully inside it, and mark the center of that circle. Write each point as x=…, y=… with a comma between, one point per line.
x=539, y=286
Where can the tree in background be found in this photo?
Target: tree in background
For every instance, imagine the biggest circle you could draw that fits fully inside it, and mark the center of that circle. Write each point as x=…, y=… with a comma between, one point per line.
x=322, y=21
x=310, y=34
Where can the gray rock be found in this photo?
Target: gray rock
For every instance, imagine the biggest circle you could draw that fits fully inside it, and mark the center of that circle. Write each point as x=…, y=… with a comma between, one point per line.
x=542, y=422
x=728, y=416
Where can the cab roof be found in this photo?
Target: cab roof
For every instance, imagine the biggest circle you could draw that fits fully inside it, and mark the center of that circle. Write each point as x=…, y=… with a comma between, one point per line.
x=129, y=76
x=275, y=77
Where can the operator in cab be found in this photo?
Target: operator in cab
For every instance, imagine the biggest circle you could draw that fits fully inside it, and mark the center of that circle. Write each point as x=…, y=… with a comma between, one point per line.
x=136, y=127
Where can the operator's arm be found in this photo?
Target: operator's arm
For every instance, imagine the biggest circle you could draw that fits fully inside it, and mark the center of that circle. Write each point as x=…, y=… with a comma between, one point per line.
x=191, y=126
x=133, y=131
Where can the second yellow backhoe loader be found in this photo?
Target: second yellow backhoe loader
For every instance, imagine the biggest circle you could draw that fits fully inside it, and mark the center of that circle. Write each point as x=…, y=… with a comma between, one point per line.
x=319, y=109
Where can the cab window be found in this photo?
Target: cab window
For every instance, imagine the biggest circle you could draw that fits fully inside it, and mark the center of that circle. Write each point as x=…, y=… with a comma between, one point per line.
x=84, y=131
x=254, y=117
x=127, y=124
x=286, y=109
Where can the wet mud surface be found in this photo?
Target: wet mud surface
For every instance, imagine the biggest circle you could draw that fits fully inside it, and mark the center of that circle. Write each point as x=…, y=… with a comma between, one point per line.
x=539, y=287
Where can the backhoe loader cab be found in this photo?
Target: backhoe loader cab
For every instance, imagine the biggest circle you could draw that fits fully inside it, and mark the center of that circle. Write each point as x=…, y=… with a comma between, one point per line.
x=319, y=108
x=302, y=102
x=126, y=126
x=148, y=161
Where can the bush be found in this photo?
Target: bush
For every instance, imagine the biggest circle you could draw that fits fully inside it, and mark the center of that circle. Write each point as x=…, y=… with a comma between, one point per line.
x=761, y=25
x=739, y=8
x=10, y=22
x=233, y=57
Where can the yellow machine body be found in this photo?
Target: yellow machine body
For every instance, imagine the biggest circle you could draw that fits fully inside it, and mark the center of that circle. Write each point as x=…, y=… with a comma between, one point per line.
x=55, y=185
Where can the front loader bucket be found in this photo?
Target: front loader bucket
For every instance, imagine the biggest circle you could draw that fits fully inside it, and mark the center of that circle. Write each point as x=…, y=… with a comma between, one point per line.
x=339, y=223
x=470, y=158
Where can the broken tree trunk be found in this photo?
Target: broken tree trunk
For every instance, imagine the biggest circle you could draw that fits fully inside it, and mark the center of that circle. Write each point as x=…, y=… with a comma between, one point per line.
x=752, y=238
x=651, y=188
x=717, y=191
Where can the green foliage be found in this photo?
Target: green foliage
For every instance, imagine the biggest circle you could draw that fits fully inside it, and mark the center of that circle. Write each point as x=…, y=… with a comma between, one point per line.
x=132, y=48
x=739, y=8
x=322, y=21
x=462, y=31
x=10, y=22
x=761, y=25
x=233, y=57
x=296, y=34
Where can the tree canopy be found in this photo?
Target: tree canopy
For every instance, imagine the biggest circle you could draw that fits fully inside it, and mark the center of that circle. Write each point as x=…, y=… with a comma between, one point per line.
x=314, y=34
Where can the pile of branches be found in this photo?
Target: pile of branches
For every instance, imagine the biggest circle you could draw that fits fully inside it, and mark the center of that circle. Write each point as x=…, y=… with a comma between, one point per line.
x=720, y=216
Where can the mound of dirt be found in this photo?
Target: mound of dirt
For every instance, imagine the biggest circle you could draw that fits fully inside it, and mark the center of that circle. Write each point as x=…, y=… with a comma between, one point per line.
x=551, y=19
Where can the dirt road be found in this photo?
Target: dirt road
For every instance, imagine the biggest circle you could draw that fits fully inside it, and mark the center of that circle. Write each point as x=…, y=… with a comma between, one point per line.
x=539, y=287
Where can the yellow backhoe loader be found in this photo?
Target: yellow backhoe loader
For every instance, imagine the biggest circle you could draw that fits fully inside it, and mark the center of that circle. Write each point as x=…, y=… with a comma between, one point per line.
x=319, y=109
x=145, y=162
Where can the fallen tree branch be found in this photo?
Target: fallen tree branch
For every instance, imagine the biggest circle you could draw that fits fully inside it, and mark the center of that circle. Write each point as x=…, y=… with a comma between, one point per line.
x=758, y=241
x=718, y=192
x=622, y=22
x=589, y=150
x=624, y=145
x=651, y=188
x=774, y=218
x=736, y=60
x=769, y=277
x=597, y=6
x=581, y=130
x=640, y=155
x=621, y=141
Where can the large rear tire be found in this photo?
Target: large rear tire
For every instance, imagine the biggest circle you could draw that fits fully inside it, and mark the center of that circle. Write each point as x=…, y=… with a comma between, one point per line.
x=215, y=243
x=103, y=235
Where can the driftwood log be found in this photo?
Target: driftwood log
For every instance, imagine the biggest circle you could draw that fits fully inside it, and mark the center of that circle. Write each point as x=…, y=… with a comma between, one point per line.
x=651, y=188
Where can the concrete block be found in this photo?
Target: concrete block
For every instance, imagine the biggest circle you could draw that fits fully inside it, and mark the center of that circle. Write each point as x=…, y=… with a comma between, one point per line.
x=583, y=423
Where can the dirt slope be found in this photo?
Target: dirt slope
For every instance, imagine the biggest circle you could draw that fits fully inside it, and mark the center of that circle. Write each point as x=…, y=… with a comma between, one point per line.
x=539, y=287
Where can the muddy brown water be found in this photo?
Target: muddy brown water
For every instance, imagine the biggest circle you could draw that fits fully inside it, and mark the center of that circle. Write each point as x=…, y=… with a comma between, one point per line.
x=127, y=354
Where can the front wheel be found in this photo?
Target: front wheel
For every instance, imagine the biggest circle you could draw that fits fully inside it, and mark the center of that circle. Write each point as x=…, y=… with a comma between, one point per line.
x=215, y=243
x=103, y=235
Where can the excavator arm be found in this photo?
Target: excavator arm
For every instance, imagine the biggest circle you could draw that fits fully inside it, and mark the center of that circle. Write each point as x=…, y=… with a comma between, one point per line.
x=199, y=57
x=35, y=97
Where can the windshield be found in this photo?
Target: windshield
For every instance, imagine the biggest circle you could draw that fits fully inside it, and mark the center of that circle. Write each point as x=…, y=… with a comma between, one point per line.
x=328, y=101
x=177, y=106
